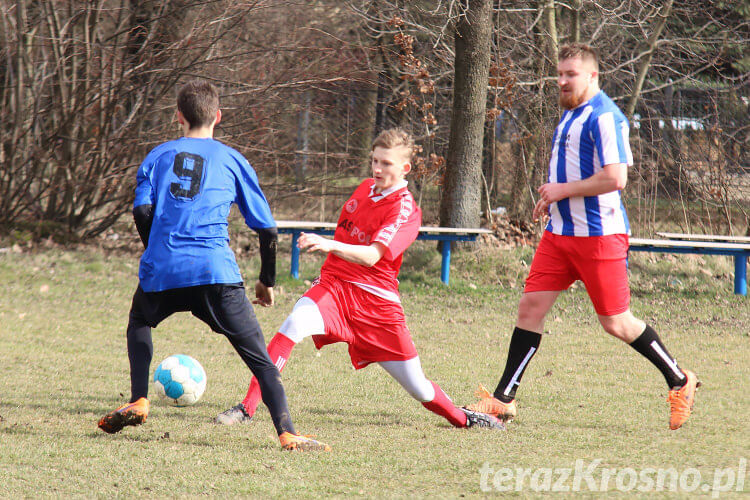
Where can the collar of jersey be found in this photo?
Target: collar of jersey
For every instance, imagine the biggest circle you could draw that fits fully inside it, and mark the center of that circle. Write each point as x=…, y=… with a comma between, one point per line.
x=591, y=101
x=386, y=192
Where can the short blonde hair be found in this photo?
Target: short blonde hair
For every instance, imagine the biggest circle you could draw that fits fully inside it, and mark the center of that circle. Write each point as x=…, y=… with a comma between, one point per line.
x=395, y=138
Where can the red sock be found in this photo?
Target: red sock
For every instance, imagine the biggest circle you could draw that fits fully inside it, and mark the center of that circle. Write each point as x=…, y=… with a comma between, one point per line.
x=443, y=406
x=278, y=349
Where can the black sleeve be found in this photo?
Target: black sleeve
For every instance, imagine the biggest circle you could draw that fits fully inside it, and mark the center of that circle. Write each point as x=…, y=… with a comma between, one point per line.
x=268, y=237
x=144, y=216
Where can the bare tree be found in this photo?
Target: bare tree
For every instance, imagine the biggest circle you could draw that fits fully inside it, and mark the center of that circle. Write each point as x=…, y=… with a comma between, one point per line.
x=86, y=96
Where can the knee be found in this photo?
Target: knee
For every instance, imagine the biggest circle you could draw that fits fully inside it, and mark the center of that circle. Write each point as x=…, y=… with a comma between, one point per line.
x=423, y=392
x=624, y=326
x=305, y=320
x=614, y=328
x=293, y=326
x=530, y=316
x=138, y=331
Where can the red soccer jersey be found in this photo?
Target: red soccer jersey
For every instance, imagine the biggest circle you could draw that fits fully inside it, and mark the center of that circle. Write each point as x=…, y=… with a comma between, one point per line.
x=392, y=220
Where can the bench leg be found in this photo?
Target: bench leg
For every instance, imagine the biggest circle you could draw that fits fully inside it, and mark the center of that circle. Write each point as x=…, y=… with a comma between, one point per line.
x=445, y=267
x=740, y=274
x=295, y=255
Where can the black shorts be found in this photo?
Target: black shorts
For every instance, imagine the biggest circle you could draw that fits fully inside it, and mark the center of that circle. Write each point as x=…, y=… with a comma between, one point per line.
x=223, y=307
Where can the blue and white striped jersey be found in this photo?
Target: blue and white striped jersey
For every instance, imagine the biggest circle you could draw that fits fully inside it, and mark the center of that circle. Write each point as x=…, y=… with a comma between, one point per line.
x=588, y=137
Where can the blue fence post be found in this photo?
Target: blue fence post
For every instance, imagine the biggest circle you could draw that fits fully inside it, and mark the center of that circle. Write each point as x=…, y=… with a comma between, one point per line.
x=295, y=255
x=445, y=268
x=740, y=274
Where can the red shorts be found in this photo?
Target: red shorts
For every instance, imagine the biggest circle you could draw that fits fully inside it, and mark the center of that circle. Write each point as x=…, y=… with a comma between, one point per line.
x=374, y=328
x=599, y=261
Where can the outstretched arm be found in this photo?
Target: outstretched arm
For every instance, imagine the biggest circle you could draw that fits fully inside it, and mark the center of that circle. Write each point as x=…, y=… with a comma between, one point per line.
x=366, y=255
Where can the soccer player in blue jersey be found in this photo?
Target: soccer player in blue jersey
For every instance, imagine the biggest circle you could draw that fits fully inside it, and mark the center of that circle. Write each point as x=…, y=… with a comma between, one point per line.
x=185, y=189
x=586, y=238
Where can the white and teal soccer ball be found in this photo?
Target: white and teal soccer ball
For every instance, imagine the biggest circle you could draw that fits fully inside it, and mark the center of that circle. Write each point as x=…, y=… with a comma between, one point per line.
x=180, y=380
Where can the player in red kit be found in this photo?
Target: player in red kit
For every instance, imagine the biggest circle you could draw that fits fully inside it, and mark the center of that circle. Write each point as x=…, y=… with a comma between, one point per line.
x=356, y=298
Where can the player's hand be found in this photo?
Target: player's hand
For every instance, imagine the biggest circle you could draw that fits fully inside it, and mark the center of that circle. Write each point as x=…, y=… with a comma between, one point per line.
x=314, y=243
x=540, y=210
x=263, y=294
x=548, y=193
x=552, y=192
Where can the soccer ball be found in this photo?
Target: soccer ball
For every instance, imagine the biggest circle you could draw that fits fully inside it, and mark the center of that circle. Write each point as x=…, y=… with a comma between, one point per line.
x=180, y=380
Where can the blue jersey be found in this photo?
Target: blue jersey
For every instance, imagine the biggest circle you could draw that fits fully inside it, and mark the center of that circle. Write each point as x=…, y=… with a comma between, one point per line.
x=192, y=184
x=587, y=138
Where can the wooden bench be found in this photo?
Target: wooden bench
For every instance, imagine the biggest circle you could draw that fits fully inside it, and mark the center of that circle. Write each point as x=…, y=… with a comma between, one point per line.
x=740, y=252
x=446, y=234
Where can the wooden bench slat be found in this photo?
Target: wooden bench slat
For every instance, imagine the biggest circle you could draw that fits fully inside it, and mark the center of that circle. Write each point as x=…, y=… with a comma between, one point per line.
x=453, y=230
x=689, y=244
x=707, y=237
x=298, y=224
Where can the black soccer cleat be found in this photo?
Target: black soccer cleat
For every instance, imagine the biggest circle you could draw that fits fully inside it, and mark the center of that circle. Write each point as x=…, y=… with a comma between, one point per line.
x=234, y=415
x=482, y=420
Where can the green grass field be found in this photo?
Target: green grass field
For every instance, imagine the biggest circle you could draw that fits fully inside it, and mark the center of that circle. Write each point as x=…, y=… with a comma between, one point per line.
x=586, y=401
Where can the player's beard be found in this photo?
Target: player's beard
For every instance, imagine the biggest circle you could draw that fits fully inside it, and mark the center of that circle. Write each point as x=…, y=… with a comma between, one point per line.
x=571, y=101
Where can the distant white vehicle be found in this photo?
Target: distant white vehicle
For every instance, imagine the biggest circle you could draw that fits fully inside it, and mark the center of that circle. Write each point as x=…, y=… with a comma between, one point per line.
x=677, y=123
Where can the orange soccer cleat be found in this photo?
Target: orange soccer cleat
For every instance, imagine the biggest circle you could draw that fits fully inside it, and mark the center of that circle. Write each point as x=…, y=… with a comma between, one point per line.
x=127, y=414
x=492, y=406
x=681, y=400
x=297, y=442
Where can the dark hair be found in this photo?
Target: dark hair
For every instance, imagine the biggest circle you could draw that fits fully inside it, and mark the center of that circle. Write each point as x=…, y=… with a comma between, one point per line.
x=394, y=138
x=198, y=101
x=579, y=50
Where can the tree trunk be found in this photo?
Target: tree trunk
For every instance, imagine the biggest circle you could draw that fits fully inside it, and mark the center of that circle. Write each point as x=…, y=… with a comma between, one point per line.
x=303, y=139
x=550, y=32
x=575, y=20
x=461, y=201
